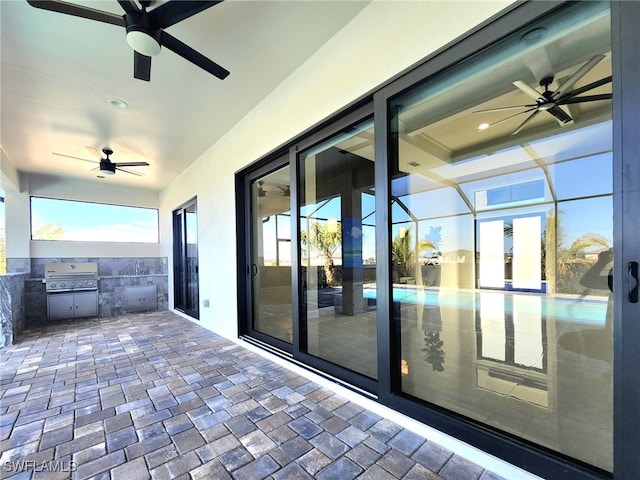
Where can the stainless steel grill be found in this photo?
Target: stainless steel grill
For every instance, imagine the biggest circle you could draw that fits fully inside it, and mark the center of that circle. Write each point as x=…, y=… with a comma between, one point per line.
x=67, y=277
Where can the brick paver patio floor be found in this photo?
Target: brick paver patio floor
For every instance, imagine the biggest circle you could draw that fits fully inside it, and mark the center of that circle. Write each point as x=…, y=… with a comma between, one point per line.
x=157, y=396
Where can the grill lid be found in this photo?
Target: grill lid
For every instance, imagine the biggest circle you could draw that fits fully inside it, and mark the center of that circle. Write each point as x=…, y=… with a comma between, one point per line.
x=71, y=276
x=54, y=269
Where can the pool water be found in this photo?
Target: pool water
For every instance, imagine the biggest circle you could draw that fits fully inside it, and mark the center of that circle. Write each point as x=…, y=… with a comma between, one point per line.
x=591, y=311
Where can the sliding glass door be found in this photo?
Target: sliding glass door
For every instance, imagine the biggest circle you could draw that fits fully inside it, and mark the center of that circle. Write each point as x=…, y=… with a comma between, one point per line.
x=269, y=267
x=501, y=218
x=185, y=259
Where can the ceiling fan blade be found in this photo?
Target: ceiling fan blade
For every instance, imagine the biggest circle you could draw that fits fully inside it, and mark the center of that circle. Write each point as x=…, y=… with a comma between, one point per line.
x=588, y=98
x=129, y=171
x=75, y=158
x=507, y=118
x=532, y=92
x=141, y=66
x=128, y=6
x=78, y=11
x=524, y=124
x=560, y=114
x=500, y=109
x=586, y=88
x=173, y=12
x=93, y=151
x=192, y=56
x=581, y=72
x=131, y=164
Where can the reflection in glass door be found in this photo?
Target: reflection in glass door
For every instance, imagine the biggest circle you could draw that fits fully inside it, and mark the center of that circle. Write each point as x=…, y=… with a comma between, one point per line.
x=502, y=237
x=185, y=259
x=270, y=263
x=337, y=250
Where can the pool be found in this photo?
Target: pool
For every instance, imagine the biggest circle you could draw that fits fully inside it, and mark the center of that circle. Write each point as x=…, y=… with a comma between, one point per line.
x=591, y=311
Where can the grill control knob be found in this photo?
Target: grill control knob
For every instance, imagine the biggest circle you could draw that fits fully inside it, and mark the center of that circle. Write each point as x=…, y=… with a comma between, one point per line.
x=53, y=285
x=63, y=285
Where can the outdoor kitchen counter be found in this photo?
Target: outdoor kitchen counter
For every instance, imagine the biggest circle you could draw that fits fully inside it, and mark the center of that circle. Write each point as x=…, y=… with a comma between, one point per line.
x=111, y=294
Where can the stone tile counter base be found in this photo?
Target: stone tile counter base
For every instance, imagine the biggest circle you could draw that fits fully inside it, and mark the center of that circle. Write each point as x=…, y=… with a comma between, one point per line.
x=115, y=276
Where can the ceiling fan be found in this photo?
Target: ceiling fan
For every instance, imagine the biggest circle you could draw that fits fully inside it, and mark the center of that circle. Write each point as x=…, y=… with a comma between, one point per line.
x=551, y=101
x=145, y=29
x=106, y=166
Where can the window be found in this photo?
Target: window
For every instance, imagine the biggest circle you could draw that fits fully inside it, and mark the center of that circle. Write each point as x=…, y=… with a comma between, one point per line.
x=68, y=220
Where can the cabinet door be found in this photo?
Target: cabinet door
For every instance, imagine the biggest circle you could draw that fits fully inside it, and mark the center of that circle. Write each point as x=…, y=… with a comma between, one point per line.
x=142, y=298
x=134, y=295
x=60, y=306
x=148, y=298
x=85, y=304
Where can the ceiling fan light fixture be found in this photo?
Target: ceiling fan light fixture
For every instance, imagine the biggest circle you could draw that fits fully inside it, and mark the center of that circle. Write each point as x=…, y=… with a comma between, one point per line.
x=107, y=168
x=142, y=42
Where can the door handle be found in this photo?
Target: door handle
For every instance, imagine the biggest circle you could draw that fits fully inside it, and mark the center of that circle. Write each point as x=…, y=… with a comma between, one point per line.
x=632, y=279
x=254, y=269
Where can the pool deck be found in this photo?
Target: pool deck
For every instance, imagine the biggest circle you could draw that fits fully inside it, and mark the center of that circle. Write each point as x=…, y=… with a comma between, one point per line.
x=157, y=396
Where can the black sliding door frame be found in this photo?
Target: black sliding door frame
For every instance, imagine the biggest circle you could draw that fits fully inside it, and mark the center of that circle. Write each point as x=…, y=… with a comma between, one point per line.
x=626, y=154
x=349, y=378
x=246, y=265
x=626, y=113
x=185, y=270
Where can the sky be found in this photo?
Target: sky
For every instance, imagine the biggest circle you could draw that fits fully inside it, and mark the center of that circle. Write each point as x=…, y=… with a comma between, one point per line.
x=81, y=221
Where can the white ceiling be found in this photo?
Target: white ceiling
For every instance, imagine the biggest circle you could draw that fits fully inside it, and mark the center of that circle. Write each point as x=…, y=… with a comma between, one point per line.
x=58, y=73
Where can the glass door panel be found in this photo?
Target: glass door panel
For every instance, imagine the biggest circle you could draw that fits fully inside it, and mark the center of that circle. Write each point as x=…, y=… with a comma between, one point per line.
x=502, y=235
x=185, y=259
x=191, y=253
x=337, y=250
x=270, y=267
x=179, y=267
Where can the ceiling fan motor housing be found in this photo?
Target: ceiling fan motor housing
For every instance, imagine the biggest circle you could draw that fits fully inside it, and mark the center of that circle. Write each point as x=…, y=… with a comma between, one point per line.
x=106, y=167
x=141, y=36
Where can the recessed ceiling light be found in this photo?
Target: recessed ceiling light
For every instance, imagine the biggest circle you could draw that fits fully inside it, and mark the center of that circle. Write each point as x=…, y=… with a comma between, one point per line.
x=534, y=36
x=483, y=126
x=117, y=103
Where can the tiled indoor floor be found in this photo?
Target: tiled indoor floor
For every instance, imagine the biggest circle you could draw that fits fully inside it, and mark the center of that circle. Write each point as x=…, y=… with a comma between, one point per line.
x=157, y=396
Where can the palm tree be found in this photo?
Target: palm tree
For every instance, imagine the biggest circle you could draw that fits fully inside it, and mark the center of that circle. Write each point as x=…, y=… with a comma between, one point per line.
x=49, y=232
x=326, y=242
x=564, y=264
x=433, y=352
x=404, y=253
